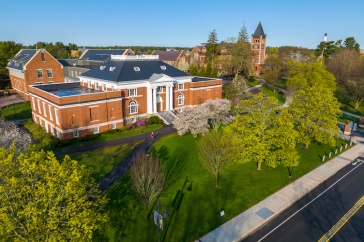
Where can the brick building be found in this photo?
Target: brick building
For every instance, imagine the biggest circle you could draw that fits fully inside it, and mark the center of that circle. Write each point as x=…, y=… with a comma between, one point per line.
x=122, y=90
x=30, y=67
x=258, y=45
x=197, y=56
x=176, y=58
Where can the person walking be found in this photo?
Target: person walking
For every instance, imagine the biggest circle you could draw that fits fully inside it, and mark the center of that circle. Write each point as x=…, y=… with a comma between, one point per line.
x=152, y=135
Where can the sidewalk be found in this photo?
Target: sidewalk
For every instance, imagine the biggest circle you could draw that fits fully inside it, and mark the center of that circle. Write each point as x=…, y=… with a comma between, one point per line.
x=247, y=222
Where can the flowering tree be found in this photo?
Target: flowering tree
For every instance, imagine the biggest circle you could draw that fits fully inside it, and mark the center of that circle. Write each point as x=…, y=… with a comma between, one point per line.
x=10, y=133
x=197, y=120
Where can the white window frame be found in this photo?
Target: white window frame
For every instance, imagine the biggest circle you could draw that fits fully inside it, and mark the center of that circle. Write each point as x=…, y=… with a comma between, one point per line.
x=89, y=84
x=75, y=133
x=40, y=73
x=104, y=87
x=181, y=85
x=33, y=104
x=39, y=110
x=49, y=71
x=58, y=134
x=133, y=107
x=180, y=99
x=35, y=119
x=45, y=109
x=50, y=112
x=57, y=115
x=132, y=92
x=113, y=126
x=96, y=130
x=97, y=85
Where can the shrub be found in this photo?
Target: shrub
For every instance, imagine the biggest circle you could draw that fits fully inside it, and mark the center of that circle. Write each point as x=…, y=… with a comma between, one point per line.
x=140, y=123
x=154, y=120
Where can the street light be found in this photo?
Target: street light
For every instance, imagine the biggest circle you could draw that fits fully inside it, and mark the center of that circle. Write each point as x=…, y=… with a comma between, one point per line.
x=158, y=219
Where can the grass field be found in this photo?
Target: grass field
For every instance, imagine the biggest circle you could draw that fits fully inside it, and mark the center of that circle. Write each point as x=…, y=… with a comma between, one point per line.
x=197, y=211
x=17, y=111
x=280, y=97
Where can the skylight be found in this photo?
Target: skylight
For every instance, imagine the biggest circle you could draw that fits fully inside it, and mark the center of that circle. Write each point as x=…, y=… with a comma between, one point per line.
x=163, y=68
x=102, y=67
x=136, y=68
x=112, y=68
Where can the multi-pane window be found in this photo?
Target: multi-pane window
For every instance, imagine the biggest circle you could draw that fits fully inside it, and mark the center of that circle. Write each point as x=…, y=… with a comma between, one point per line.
x=180, y=99
x=133, y=107
x=40, y=73
x=57, y=116
x=49, y=73
x=180, y=86
x=113, y=126
x=104, y=87
x=95, y=130
x=89, y=84
x=75, y=133
x=97, y=85
x=39, y=110
x=132, y=92
x=33, y=104
x=44, y=109
x=50, y=112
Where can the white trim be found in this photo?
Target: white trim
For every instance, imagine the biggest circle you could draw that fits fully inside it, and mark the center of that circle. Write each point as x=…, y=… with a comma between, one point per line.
x=199, y=88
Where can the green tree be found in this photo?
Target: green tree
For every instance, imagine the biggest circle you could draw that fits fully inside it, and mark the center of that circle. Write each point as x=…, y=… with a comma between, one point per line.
x=351, y=44
x=193, y=70
x=348, y=67
x=241, y=58
x=314, y=107
x=8, y=49
x=243, y=34
x=42, y=199
x=328, y=48
x=216, y=149
x=275, y=71
x=265, y=132
x=238, y=88
x=212, y=47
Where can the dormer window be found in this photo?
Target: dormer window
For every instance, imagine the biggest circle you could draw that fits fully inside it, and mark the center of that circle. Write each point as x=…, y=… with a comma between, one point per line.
x=136, y=68
x=102, y=67
x=112, y=68
x=163, y=68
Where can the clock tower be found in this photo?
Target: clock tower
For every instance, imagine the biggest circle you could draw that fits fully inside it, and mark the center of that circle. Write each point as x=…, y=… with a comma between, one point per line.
x=258, y=45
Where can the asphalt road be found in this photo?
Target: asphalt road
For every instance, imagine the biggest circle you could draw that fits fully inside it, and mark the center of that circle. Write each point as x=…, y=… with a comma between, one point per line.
x=313, y=215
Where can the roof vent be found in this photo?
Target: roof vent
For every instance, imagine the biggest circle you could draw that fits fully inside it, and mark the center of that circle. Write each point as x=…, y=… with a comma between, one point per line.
x=163, y=68
x=112, y=68
x=102, y=67
x=136, y=68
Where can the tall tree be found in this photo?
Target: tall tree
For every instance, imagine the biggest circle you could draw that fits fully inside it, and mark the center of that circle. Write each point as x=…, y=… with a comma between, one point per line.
x=243, y=34
x=314, y=107
x=216, y=149
x=351, y=44
x=265, y=133
x=212, y=47
x=348, y=68
x=148, y=178
x=8, y=49
x=42, y=199
x=237, y=89
x=241, y=58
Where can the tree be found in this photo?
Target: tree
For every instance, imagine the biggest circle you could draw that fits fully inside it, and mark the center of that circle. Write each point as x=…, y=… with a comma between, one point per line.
x=212, y=47
x=275, y=71
x=241, y=58
x=348, y=68
x=243, y=34
x=42, y=199
x=10, y=134
x=217, y=112
x=314, y=107
x=216, y=149
x=237, y=89
x=328, y=48
x=351, y=44
x=8, y=49
x=265, y=132
x=148, y=178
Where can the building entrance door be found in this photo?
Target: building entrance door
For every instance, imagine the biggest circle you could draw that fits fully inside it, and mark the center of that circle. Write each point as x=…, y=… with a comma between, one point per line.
x=159, y=104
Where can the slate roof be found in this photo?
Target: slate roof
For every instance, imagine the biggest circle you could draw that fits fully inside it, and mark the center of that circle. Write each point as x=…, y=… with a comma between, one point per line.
x=124, y=70
x=167, y=55
x=259, y=31
x=99, y=54
x=21, y=59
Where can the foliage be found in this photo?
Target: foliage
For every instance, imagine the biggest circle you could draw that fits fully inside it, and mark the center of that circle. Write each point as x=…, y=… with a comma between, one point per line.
x=44, y=200
x=196, y=120
x=314, y=107
x=8, y=49
x=154, y=120
x=237, y=89
x=10, y=133
x=241, y=58
x=212, y=47
x=351, y=44
x=148, y=178
x=46, y=140
x=216, y=149
x=266, y=133
x=348, y=68
x=243, y=34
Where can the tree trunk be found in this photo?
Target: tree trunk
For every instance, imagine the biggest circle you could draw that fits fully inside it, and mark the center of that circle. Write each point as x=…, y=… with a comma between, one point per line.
x=357, y=103
x=217, y=180
x=290, y=171
x=259, y=165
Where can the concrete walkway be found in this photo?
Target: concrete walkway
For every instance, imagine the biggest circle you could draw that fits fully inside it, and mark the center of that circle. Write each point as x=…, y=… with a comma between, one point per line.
x=247, y=222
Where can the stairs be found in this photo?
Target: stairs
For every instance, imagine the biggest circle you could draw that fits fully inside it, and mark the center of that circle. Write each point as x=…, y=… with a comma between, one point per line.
x=167, y=116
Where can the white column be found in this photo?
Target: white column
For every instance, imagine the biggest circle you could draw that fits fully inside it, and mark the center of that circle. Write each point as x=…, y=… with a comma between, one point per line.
x=171, y=98
x=154, y=99
x=149, y=100
x=167, y=97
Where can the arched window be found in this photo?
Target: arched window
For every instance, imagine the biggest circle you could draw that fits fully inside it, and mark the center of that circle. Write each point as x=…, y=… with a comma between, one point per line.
x=133, y=107
x=180, y=99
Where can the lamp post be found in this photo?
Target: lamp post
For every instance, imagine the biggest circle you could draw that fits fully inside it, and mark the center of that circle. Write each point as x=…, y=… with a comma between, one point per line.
x=158, y=219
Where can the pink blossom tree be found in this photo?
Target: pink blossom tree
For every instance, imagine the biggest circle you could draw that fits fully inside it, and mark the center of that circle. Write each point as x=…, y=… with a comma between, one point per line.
x=10, y=134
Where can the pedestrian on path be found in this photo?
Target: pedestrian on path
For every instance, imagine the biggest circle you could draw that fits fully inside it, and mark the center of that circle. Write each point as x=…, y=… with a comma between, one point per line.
x=152, y=135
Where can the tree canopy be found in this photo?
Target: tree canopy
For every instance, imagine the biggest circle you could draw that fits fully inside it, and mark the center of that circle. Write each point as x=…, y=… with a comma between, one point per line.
x=42, y=199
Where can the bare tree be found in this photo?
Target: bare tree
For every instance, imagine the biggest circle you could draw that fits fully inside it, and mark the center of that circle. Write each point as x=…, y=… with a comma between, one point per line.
x=216, y=149
x=148, y=178
x=10, y=133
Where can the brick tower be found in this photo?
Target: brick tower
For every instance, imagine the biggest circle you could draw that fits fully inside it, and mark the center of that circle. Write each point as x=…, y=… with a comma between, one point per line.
x=258, y=44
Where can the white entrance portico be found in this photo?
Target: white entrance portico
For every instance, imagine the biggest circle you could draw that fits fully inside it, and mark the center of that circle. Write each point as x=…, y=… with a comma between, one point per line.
x=157, y=84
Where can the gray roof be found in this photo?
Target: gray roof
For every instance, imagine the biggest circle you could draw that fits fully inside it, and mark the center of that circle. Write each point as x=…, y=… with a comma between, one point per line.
x=167, y=55
x=259, y=31
x=21, y=59
x=124, y=70
x=100, y=55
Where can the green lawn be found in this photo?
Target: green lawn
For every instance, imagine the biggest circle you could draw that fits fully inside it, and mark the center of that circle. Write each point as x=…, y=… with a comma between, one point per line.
x=349, y=107
x=241, y=187
x=280, y=97
x=344, y=117
x=252, y=81
x=102, y=161
x=17, y=111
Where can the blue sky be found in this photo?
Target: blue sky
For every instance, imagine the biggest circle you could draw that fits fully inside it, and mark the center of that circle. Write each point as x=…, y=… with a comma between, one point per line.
x=178, y=23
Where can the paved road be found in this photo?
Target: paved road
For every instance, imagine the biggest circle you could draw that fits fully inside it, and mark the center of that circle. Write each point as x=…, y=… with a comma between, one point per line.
x=313, y=215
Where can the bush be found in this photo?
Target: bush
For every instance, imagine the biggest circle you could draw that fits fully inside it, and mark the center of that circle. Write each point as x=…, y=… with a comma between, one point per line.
x=154, y=120
x=140, y=123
